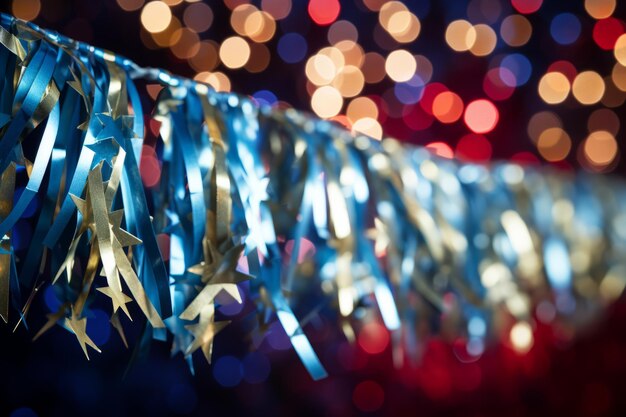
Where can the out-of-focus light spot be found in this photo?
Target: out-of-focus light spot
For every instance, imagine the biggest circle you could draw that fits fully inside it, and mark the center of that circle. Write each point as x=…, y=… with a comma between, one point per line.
x=564, y=67
x=400, y=65
x=620, y=50
x=411, y=91
x=320, y=69
x=368, y=396
x=227, y=371
x=368, y=126
x=373, y=67
x=342, y=30
x=613, y=97
x=336, y=56
x=481, y=116
x=23, y=411
x=326, y=102
x=373, y=338
x=352, y=52
x=259, y=58
x=172, y=3
x=447, y=107
x=218, y=80
x=588, y=87
x=388, y=10
x=324, y=12
x=181, y=398
x=554, y=144
x=424, y=68
x=349, y=81
x=565, y=28
x=600, y=9
x=169, y=36
x=604, y=119
x=607, y=31
x=26, y=9
x=267, y=30
x=129, y=5
x=521, y=337
x=487, y=11
x=474, y=148
x=265, y=97
x=231, y=4
x=431, y=91
x=485, y=40
x=361, y=107
x=156, y=16
x=207, y=57
x=526, y=6
x=239, y=19
x=234, y=52
x=98, y=327
x=515, y=30
x=374, y=5
x=441, y=149
x=540, y=122
x=496, y=87
x=292, y=47
x=600, y=148
x=519, y=66
x=619, y=76
x=399, y=22
x=198, y=17
x=150, y=168
x=554, y=87
x=278, y=9
x=187, y=43
x=460, y=35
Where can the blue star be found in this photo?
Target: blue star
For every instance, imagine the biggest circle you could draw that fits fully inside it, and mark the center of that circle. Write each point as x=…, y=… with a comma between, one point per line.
x=105, y=150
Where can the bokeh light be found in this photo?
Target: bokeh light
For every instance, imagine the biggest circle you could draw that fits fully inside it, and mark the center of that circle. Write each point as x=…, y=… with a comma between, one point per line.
x=156, y=16
x=481, y=116
x=588, y=87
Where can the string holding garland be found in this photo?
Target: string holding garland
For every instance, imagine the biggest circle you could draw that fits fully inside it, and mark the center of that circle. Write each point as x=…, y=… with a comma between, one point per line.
x=275, y=208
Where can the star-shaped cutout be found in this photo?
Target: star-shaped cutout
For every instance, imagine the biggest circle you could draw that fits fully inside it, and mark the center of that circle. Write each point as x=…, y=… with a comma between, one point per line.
x=119, y=128
x=105, y=150
x=118, y=298
x=123, y=237
x=204, y=332
x=79, y=328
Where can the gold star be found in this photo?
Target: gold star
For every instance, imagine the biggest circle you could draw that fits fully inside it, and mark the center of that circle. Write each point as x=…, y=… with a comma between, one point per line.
x=123, y=237
x=79, y=327
x=52, y=319
x=118, y=298
x=204, y=332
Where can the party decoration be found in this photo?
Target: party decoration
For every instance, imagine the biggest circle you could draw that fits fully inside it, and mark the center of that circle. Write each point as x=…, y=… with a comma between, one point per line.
x=287, y=214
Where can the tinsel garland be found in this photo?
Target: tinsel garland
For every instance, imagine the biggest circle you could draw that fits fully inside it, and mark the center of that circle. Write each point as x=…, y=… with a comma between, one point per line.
x=274, y=206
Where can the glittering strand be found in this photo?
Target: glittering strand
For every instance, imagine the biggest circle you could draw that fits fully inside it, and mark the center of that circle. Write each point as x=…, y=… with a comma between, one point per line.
x=292, y=215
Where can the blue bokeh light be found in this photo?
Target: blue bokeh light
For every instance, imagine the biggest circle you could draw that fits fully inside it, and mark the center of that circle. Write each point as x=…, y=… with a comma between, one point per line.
x=292, y=47
x=256, y=368
x=565, y=28
x=519, y=66
x=227, y=371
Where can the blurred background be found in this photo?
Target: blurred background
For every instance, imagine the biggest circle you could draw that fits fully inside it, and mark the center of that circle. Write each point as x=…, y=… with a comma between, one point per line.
x=535, y=81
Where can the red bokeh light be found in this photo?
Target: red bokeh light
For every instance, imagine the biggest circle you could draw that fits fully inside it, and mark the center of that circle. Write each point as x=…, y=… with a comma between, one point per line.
x=373, y=338
x=606, y=32
x=526, y=6
x=324, y=12
x=368, y=396
x=481, y=116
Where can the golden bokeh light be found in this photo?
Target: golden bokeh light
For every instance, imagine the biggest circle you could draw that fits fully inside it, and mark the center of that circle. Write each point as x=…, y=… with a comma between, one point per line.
x=187, y=44
x=368, y=126
x=320, y=69
x=388, y=10
x=554, y=144
x=207, y=57
x=600, y=9
x=361, y=107
x=130, y=5
x=169, y=36
x=352, y=52
x=156, y=16
x=26, y=9
x=619, y=76
x=516, y=30
x=234, y=52
x=588, y=87
x=620, y=49
x=400, y=65
x=604, y=119
x=373, y=67
x=600, y=148
x=259, y=60
x=239, y=19
x=540, y=122
x=278, y=9
x=349, y=81
x=485, y=42
x=521, y=337
x=326, y=102
x=554, y=87
x=460, y=35
x=218, y=80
